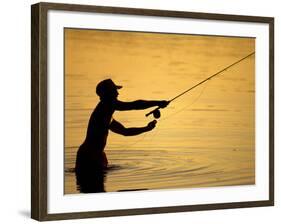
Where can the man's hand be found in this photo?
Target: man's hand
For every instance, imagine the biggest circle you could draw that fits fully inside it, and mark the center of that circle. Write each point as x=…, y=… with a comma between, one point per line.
x=151, y=125
x=163, y=103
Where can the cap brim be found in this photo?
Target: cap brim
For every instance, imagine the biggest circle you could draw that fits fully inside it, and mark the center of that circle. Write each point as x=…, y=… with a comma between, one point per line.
x=118, y=87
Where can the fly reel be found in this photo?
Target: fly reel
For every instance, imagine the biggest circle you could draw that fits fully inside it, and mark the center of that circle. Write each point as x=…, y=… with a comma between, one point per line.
x=156, y=114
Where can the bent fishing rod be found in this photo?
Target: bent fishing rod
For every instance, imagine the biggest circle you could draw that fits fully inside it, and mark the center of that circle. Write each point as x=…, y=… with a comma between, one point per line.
x=156, y=112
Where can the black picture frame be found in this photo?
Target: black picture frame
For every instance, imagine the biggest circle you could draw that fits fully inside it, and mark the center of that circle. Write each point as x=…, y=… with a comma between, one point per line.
x=39, y=106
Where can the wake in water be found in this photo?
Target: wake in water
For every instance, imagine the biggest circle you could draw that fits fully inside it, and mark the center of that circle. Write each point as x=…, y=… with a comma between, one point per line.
x=110, y=167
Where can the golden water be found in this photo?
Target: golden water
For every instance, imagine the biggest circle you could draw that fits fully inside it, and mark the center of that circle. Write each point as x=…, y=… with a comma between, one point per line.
x=205, y=138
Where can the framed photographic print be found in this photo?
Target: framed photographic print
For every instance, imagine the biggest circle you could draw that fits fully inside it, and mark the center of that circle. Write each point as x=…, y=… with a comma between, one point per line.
x=140, y=111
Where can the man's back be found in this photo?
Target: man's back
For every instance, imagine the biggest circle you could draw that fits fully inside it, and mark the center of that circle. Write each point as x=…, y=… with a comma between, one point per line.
x=98, y=126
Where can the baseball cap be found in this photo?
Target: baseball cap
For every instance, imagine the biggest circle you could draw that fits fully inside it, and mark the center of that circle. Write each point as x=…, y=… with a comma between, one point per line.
x=106, y=86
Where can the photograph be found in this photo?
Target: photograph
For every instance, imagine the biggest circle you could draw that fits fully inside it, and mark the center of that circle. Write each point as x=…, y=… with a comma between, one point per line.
x=141, y=111
x=152, y=110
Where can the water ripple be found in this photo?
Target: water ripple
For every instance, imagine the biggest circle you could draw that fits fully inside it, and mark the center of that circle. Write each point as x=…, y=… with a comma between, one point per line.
x=158, y=169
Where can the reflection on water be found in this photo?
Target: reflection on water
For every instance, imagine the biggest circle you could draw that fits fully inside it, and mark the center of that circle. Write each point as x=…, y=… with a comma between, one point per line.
x=205, y=138
x=91, y=182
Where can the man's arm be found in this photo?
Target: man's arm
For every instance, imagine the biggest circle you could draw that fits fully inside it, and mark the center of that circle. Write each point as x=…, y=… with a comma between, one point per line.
x=118, y=128
x=140, y=104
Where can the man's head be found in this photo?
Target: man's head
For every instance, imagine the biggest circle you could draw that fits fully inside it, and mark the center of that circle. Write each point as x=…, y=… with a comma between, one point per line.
x=106, y=89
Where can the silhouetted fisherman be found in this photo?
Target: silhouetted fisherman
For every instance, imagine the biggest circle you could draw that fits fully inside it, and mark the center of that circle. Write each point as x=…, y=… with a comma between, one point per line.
x=91, y=160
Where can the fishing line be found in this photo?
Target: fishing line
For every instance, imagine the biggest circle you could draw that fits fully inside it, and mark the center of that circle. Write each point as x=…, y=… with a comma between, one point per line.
x=197, y=98
x=189, y=105
x=133, y=143
x=175, y=113
x=156, y=112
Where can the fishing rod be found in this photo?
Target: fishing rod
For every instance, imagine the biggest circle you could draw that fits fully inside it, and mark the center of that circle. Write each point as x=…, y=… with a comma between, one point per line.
x=156, y=112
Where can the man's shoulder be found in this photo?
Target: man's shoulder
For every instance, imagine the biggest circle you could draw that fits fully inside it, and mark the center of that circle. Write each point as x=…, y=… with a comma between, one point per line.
x=105, y=105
